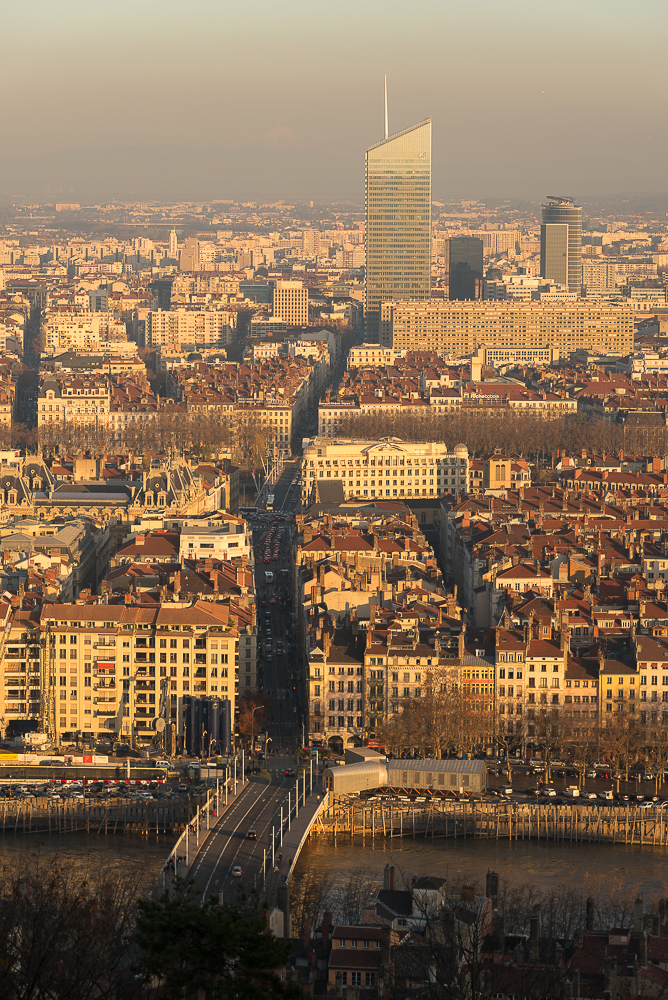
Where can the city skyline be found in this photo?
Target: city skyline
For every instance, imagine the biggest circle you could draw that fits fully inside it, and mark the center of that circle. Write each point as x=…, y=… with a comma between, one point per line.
x=170, y=133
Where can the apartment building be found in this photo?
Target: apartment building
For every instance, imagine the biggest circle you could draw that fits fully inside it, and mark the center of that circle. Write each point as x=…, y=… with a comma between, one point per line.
x=82, y=331
x=459, y=328
x=389, y=468
x=290, y=303
x=372, y=355
x=530, y=676
x=192, y=328
x=22, y=690
x=74, y=399
x=599, y=275
x=115, y=669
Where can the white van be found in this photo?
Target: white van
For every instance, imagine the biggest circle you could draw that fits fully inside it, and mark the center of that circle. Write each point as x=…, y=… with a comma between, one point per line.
x=606, y=796
x=163, y=763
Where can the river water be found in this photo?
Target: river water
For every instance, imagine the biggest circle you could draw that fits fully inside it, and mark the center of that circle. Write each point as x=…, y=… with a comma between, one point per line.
x=137, y=858
x=597, y=869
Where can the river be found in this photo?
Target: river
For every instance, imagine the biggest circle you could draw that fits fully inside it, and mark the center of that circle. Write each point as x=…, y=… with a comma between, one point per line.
x=139, y=858
x=595, y=868
x=599, y=869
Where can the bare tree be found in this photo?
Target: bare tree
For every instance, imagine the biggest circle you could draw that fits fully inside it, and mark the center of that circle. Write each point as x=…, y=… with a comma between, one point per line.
x=510, y=736
x=66, y=930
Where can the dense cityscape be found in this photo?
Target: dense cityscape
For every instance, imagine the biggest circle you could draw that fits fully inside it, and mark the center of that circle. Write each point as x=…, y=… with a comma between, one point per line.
x=334, y=528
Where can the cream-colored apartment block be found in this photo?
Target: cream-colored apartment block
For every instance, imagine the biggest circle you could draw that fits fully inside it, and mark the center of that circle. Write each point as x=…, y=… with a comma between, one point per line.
x=459, y=328
x=291, y=303
x=115, y=669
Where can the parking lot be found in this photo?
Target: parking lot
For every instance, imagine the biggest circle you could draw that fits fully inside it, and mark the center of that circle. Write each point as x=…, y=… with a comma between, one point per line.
x=56, y=791
x=601, y=784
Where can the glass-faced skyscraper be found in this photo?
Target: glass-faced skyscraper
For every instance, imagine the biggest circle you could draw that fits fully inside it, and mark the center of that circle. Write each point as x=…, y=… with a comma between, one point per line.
x=398, y=221
x=561, y=242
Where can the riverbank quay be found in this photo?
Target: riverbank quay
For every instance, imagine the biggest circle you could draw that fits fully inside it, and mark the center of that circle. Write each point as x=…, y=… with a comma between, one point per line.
x=91, y=816
x=575, y=823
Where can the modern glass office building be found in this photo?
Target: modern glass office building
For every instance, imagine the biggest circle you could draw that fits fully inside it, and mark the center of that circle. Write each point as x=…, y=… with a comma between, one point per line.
x=465, y=255
x=561, y=243
x=398, y=221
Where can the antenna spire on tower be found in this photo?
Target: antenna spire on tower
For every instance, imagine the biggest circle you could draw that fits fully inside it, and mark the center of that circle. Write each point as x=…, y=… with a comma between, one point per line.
x=387, y=131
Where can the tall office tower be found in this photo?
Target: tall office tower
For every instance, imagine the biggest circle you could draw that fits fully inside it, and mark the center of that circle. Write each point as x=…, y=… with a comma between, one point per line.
x=561, y=242
x=291, y=303
x=173, y=246
x=398, y=221
x=465, y=267
x=189, y=260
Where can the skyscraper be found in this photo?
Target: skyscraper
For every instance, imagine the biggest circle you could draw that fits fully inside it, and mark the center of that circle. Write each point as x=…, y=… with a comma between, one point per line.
x=173, y=245
x=465, y=267
x=561, y=242
x=398, y=220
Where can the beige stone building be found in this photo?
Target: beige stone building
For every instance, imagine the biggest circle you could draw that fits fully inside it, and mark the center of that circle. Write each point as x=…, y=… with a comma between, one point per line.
x=389, y=468
x=196, y=328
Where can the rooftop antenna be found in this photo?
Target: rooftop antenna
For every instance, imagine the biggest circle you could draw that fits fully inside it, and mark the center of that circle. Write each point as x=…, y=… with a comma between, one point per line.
x=387, y=131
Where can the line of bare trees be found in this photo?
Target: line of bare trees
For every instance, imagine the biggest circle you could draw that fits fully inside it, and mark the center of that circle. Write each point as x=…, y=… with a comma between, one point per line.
x=438, y=724
x=621, y=740
x=451, y=722
x=201, y=434
x=529, y=436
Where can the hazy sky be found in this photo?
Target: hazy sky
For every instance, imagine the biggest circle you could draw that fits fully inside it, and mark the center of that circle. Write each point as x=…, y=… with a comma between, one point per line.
x=204, y=98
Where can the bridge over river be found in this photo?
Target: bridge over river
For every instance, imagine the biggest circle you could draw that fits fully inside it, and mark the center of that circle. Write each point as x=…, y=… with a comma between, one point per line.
x=280, y=808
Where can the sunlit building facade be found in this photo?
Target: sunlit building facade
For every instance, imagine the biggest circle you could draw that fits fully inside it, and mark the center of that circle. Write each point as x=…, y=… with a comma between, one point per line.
x=398, y=221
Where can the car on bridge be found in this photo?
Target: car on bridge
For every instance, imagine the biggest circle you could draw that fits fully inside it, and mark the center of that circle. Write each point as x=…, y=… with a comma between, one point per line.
x=236, y=871
x=290, y=772
x=252, y=835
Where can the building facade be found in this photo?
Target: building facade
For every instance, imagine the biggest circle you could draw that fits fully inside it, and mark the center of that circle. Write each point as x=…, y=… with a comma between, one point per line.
x=389, y=468
x=202, y=328
x=291, y=303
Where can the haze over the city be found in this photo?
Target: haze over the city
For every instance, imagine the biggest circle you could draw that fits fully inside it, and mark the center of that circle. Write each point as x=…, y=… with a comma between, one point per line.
x=208, y=100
